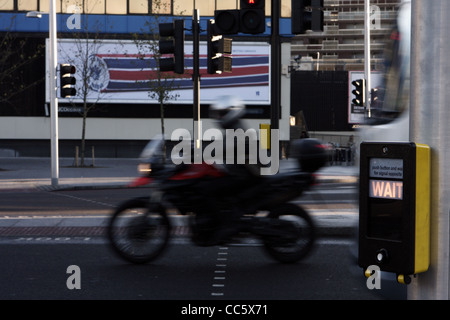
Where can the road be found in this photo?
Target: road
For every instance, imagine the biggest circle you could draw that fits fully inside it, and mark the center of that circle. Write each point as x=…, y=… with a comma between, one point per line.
x=36, y=270
x=35, y=266
x=35, y=202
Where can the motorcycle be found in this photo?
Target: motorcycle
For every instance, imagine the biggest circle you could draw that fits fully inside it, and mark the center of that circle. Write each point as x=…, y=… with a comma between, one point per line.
x=220, y=206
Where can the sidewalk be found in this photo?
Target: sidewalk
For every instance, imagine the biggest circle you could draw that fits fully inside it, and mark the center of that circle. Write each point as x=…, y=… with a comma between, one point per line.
x=22, y=173
x=30, y=173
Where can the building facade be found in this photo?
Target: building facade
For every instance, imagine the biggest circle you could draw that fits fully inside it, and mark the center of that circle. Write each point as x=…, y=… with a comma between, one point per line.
x=115, y=126
x=341, y=45
x=121, y=127
x=323, y=61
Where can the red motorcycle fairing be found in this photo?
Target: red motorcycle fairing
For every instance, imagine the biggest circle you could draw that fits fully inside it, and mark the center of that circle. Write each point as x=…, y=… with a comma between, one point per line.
x=141, y=181
x=193, y=171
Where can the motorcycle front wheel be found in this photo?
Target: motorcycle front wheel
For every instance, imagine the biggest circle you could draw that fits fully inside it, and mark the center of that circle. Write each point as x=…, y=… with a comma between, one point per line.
x=138, y=234
x=299, y=238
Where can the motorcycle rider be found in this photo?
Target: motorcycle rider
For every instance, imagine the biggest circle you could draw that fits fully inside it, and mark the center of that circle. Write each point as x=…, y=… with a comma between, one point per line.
x=228, y=112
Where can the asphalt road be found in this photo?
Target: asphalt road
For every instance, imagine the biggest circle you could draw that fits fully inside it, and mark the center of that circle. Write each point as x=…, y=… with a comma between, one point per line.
x=39, y=270
x=35, y=267
x=35, y=202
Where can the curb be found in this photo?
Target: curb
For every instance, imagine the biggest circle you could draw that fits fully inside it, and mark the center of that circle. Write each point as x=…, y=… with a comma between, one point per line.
x=98, y=231
x=327, y=226
x=75, y=187
x=114, y=185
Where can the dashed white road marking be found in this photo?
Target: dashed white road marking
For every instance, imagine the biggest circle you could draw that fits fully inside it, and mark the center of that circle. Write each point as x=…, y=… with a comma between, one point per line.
x=104, y=204
x=221, y=264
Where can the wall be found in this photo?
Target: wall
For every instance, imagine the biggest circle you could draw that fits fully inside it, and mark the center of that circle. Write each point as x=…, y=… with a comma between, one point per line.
x=323, y=98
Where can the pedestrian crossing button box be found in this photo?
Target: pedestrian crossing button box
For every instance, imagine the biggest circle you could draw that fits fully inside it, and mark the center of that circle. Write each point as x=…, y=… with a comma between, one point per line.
x=394, y=207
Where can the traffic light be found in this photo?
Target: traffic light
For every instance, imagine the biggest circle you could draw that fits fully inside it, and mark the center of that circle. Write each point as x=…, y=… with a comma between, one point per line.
x=172, y=42
x=226, y=21
x=219, y=51
x=374, y=98
x=306, y=15
x=359, y=92
x=67, y=80
x=252, y=16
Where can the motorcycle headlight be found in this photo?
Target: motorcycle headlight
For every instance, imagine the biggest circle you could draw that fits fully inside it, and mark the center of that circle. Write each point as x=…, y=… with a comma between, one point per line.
x=144, y=168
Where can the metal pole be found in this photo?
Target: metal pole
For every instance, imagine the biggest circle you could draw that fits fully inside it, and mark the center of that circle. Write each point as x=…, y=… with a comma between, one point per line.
x=430, y=113
x=367, y=64
x=53, y=98
x=275, y=65
x=196, y=75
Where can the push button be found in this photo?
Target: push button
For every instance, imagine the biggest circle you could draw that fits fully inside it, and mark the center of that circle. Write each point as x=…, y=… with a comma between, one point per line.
x=382, y=256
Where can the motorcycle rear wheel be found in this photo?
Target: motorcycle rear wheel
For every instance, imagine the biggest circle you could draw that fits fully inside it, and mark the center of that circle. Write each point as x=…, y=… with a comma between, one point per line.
x=137, y=234
x=300, y=239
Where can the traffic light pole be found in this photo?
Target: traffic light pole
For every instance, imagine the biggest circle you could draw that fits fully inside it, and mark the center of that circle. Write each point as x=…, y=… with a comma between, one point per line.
x=54, y=148
x=196, y=79
x=430, y=44
x=367, y=64
x=275, y=65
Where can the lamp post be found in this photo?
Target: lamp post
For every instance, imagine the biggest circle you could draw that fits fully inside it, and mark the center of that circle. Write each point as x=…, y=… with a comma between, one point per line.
x=367, y=64
x=53, y=60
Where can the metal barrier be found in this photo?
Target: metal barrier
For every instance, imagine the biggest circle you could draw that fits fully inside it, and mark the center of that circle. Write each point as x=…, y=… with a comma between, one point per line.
x=342, y=156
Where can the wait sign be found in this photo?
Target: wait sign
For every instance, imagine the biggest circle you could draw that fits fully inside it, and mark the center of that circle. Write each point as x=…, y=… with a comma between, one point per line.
x=385, y=189
x=386, y=169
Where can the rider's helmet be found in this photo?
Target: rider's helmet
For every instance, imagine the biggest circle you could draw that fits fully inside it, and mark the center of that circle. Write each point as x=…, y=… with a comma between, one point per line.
x=227, y=110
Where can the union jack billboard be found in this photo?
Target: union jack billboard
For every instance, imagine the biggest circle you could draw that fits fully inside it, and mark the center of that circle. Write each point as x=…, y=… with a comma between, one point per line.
x=123, y=72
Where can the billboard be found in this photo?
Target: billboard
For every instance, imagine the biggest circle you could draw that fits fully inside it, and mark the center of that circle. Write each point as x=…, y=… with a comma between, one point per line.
x=124, y=71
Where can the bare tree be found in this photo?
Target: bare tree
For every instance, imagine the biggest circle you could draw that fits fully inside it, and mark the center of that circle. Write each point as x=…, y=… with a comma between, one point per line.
x=87, y=47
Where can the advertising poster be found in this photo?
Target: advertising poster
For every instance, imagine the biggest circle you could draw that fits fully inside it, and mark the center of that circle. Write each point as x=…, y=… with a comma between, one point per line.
x=122, y=71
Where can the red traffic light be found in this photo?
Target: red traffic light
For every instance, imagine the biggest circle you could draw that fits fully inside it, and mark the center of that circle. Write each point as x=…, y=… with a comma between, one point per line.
x=247, y=4
x=252, y=16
